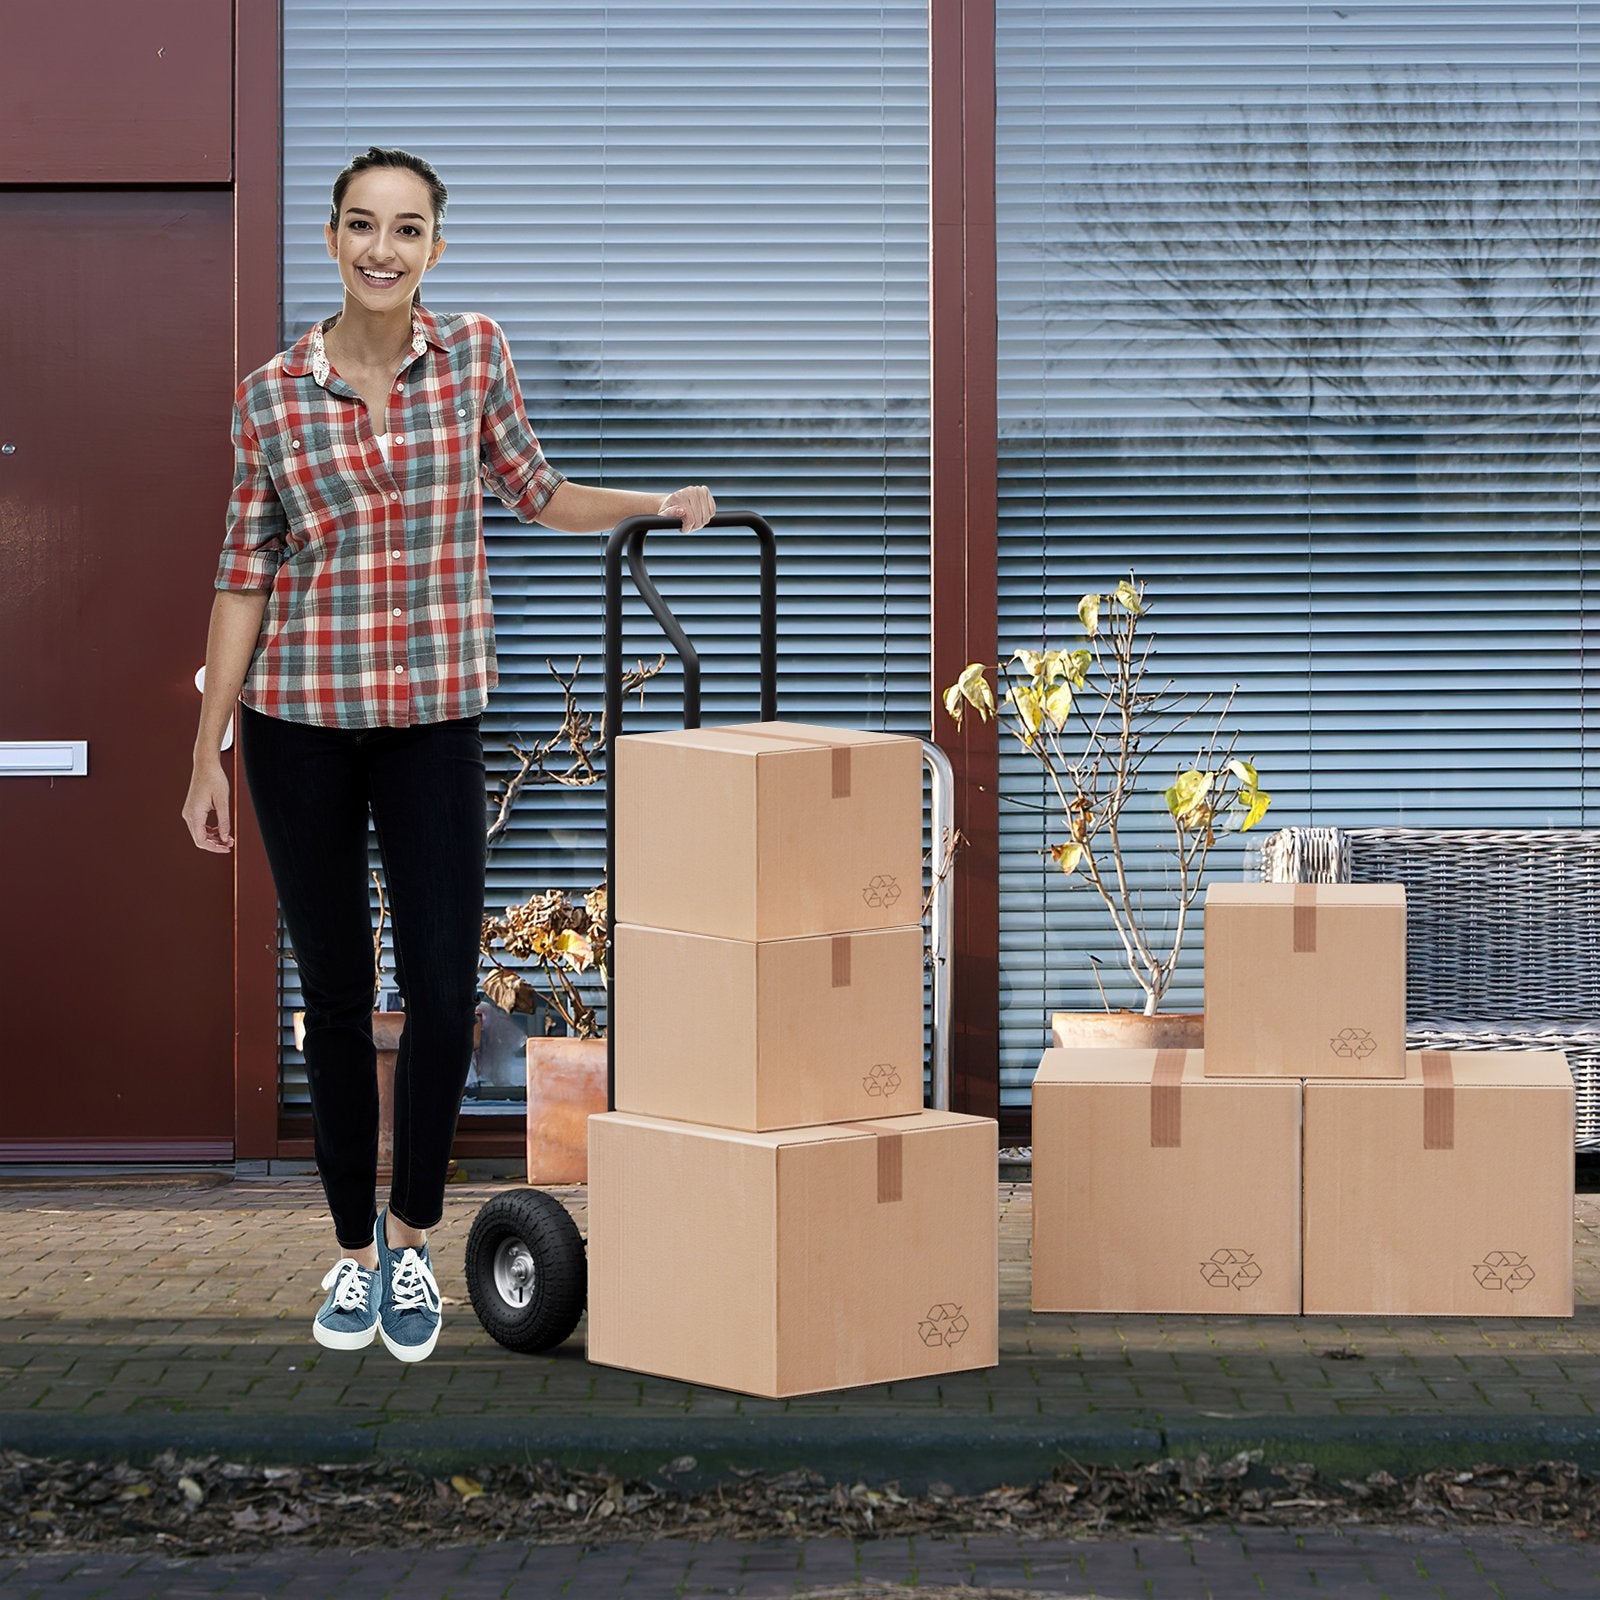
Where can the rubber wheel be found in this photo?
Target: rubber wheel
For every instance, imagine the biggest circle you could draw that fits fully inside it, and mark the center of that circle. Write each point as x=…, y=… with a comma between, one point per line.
x=527, y=1270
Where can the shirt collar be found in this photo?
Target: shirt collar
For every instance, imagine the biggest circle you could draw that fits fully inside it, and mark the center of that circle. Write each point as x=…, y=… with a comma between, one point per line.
x=309, y=355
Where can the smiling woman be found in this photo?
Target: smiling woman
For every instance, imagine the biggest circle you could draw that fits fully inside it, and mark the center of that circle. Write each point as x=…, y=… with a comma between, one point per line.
x=355, y=622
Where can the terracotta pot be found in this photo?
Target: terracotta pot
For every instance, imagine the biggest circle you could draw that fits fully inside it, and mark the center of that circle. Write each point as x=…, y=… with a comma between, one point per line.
x=387, y=1026
x=1128, y=1030
x=566, y=1086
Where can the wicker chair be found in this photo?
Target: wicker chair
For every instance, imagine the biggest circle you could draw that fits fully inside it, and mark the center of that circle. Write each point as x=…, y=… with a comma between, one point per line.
x=1502, y=934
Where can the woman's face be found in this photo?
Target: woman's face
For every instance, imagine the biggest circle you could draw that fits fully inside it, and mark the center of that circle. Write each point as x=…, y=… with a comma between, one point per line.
x=384, y=242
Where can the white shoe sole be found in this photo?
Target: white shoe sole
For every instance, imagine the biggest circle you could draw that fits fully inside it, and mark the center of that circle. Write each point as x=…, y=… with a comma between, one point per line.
x=409, y=1352
x=333, y=1339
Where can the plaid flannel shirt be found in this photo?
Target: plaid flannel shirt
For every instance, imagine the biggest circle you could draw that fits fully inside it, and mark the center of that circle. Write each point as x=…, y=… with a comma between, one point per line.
x=380, y=614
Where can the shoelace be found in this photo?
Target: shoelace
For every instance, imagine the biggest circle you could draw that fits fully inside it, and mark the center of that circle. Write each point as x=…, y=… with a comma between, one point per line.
x=412, y=1287
x=348, y=1280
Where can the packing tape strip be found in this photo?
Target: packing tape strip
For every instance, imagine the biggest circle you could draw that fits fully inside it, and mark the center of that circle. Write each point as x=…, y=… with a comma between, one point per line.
x=1166, y=1099
x=1305, y=919
x=891, y=1161
x=841, y=755
x=1438, y=1101
x=841, y=961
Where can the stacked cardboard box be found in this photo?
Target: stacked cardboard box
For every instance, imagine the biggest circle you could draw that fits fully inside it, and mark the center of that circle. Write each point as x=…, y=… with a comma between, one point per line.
x=1304, y=1160
x=769, y=1172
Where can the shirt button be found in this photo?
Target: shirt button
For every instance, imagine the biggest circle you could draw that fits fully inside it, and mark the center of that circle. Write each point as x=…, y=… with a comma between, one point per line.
x=398, y=384
x=394, y=495
x=461, y=411
x=395, y=554
x=397, y=611
x=399, y=438
x=399, y=668
x=296, y=443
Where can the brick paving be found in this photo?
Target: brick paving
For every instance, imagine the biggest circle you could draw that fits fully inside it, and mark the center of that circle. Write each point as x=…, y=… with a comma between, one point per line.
x=141, y=1316
x=1218, y=1564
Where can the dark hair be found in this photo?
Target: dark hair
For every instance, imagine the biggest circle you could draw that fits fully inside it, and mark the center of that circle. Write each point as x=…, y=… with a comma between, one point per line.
x=437, y=193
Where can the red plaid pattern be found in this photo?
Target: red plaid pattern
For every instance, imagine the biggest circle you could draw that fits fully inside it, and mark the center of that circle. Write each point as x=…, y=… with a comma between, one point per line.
x=380, y=614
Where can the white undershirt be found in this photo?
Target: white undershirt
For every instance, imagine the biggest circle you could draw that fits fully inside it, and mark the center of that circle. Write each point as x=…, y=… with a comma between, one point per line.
x=383, y=444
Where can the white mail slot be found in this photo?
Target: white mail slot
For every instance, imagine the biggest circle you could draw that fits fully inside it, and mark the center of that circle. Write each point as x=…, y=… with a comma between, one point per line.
x=44, y=758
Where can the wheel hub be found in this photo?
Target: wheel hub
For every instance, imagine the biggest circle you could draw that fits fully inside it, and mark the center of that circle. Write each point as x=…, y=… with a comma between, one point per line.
x=515, y=1274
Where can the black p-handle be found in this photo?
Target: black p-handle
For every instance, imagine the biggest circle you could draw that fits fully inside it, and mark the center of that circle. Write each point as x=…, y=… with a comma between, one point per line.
x=628, y=537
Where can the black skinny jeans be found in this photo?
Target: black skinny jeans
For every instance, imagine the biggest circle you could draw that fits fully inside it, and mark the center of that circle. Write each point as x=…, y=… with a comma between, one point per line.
x=312, y=788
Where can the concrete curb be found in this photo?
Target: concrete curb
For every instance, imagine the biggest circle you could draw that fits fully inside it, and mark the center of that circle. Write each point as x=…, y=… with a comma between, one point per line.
x=968, y=1455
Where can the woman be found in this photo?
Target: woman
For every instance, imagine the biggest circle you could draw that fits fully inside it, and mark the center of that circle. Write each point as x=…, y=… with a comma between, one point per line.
x=354, y=615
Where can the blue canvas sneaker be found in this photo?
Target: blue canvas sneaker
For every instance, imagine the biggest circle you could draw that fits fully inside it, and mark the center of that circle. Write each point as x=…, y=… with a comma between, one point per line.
x=408, y=1320
x=348, y=1319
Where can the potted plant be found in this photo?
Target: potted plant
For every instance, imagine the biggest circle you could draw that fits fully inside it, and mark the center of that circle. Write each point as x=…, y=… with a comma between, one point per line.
x=561, y=944
x=565, y=943
x=1095, y=719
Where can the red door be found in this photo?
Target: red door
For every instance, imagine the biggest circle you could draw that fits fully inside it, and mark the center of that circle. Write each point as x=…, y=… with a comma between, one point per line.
x=116, y=934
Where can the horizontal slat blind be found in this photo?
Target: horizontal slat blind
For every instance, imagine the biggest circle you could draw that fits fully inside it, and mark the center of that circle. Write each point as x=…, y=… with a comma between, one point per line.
x=1296, y=310
x=704, y=229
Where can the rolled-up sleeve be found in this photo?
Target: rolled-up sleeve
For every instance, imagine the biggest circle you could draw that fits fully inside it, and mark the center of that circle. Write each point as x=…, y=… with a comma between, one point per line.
x=255, y=543
x=513, y=465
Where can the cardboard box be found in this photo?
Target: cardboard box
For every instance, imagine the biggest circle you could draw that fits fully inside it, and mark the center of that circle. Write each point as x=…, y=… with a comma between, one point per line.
x=1448, y=1192
x=1305, y=980
x=1157, y=1188
x=778, y=1034
x=786, y=1263
x=771, y=830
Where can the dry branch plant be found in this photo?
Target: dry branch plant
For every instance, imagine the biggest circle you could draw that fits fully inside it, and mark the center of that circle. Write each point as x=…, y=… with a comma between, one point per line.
x=564, y=940
x=1093, y=718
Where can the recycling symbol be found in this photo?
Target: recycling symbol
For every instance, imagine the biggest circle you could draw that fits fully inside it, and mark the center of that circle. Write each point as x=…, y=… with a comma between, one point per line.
x=1356, y=1042
x=1503, y=1269
x=881, y=891
x=1230, y=1269
x=882, y=1079
x=944, y=1324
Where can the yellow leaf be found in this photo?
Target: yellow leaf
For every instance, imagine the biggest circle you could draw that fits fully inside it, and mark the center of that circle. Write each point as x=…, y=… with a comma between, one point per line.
x=1058, y=704
x=973, y=688
x=1031, y=660
x=1257, y=803
x=573, y=948
x=1130, y=599
x=1029, y=709
x=1186, y=798
x=467, y=1488
x=1089, y=614
x=1067, y=856
x=1245, y=772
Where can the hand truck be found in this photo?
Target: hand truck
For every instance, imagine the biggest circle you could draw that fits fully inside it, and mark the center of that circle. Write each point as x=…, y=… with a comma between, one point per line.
x=526, y=1267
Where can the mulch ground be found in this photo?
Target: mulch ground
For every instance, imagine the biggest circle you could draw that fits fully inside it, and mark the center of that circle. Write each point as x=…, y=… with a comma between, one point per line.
x=205, y=1505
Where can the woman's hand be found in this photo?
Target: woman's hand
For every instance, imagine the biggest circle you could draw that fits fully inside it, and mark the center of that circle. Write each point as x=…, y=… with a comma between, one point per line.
x=694, y=504
x=208, y=792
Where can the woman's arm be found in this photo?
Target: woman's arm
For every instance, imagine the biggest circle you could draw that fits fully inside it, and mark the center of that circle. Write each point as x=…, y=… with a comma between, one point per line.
x=230, y=643
x=587, y=508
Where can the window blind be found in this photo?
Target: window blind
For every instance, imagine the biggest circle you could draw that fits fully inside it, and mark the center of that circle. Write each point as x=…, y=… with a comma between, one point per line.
x=704, y=229
x=1295, y=323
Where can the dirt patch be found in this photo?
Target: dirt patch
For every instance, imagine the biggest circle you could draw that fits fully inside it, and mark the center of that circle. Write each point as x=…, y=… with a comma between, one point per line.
x=204, y=1505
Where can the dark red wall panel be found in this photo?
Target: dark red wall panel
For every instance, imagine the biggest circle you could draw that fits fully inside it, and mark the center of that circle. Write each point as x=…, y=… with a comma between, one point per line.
x=116, y=958
x=117, y=91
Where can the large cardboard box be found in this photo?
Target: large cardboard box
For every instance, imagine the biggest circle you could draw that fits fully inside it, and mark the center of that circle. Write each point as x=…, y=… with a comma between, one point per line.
x=785, y=1263
x=1446, y=1192
x=1305, y=980
x=777, y=1034
x=769, y=830
x=1157, y=1188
